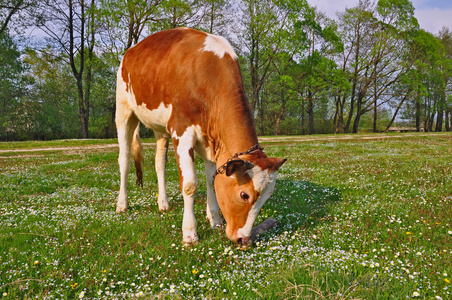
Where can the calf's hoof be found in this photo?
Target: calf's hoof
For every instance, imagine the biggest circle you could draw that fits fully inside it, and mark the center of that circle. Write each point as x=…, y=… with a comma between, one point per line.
x=121, y=209
x=162, y=201
x=189, y=240
x=214, y=223
x=163, y=208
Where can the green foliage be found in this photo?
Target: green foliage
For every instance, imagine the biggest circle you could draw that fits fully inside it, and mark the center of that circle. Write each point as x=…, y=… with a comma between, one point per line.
x=54, y=97
x=330, y=35
x=14, y=111
x=400, y=12
x=103, y=105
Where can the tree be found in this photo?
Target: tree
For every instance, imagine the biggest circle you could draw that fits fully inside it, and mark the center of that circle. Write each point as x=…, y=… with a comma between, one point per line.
x=374, y=55
x=124, y=22
x=177, y=13
x=280, y=92
x=53, y=97
x=427, y=52
x=269, y=29
x=356, y=25
x=13, y=10
x=13, y=88
x=102, y=118
x=212, y=16
x=397, y=23
x=318, y=72
x=70, y=27
x=407, y=87
x=445, y=37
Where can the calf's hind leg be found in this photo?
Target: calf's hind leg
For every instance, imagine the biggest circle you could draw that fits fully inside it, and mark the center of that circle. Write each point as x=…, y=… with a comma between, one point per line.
x=161, y=153
x=127, y=125
x=212, y=210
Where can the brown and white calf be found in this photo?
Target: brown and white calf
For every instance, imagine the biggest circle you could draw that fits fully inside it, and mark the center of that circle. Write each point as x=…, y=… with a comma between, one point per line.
x=186, y=85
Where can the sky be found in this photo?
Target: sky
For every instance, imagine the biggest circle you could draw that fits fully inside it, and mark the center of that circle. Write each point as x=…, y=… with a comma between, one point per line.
x=431, y=14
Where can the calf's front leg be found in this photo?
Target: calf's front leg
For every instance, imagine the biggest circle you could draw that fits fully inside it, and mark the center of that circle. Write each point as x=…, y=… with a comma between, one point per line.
x=188, y=180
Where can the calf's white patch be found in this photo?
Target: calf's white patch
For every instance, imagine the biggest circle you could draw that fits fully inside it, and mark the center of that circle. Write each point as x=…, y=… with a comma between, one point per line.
x=219, y=46
x=264, y=183
x=156, y=119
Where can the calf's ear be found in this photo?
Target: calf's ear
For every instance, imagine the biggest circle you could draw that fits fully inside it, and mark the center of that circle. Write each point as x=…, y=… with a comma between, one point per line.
x=238, y=165
x=281, y=161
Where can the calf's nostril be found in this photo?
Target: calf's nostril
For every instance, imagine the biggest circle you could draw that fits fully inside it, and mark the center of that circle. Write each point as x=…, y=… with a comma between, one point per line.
x=239, y=241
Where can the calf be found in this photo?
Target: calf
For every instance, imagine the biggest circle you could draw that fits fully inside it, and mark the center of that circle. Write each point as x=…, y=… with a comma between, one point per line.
x=186, y=85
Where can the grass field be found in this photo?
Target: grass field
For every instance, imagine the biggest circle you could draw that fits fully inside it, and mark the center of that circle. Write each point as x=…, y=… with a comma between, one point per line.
x=360, y=217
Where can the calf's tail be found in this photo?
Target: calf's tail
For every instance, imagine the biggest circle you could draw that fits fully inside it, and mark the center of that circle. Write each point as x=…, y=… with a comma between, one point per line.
x=137, y=155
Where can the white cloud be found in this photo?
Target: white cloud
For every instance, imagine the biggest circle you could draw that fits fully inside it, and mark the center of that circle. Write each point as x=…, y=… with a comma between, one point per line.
x=331, y=7
x=434, y=19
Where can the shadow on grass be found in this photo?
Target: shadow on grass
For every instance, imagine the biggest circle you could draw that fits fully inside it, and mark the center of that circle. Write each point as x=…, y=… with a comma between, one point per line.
x=299, y=204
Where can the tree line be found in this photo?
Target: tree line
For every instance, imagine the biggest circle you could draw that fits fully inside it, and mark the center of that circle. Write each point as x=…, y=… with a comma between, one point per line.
x=304, y=73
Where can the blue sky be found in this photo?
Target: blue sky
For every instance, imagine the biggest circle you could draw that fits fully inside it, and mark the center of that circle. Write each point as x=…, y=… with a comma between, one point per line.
x=429, y=4
x=431, y=14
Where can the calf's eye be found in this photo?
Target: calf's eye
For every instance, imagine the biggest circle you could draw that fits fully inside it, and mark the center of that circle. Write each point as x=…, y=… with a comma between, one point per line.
x=244, y=196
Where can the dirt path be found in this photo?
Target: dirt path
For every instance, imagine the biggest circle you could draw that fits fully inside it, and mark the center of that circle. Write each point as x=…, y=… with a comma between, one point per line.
x=276, y=139
x=377, y=136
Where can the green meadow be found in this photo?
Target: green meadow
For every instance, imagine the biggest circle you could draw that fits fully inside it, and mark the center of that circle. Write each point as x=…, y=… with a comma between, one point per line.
x=359, y=217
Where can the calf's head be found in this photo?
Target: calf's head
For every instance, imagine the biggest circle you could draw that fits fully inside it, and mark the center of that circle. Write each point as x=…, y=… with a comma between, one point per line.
x=242, y=190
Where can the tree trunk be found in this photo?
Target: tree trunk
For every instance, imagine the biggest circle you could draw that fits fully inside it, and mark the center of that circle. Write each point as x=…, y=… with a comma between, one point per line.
x=339, y=115
x=336, y=113
x=211, y=19
x=450, y=121
x=303, y=131
x=395, y=114
x=418, y=111
x=254, y=63
x=82, y=111
x=358, y=112
x=439, y=120
x=440, y=115
x=89, y=67
x=356, y=123
x=78, y=74
x=276, y=127
x=352, y=108
x=340, y=121
x=447, y=120
x=311, y=113
x=261, y=118
x=374, y=127
x=280, y=115
x=431, y=121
